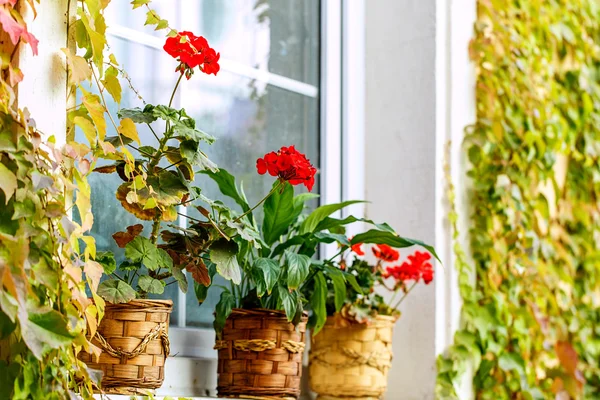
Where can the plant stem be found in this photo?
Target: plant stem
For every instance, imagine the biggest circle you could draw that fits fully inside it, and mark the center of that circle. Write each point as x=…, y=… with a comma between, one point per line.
x=260, y=202
x=404, y=296
x=155, y=229
x=175, y=90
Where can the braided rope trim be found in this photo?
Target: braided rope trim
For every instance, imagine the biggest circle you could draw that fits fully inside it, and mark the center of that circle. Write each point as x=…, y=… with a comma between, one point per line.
x=159, y=330
x=261, y=345
x=249, y=392
x=381, y=361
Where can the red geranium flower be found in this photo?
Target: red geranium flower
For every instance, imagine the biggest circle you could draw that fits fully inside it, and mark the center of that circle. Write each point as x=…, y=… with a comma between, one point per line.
x=386, y=253
x=415, y=269
x=289, y=165
x=356, y=248
x=193, y=52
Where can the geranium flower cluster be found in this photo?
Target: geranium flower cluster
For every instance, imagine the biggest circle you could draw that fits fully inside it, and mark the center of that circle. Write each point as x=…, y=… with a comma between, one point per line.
x=289, y=165
x=192, y=51
x=417, y=267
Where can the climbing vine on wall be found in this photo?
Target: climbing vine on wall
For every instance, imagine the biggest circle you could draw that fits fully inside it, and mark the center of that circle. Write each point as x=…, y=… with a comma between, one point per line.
x=531, y=314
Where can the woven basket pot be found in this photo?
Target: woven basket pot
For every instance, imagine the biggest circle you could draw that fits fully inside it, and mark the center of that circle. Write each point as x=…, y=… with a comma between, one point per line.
x=134, y=342
x=351, y=362
x=260, y=355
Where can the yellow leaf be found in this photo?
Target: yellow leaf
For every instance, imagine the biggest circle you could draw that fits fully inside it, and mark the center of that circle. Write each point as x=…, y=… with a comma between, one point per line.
x=93, y=271
x=78, y=66
x=96, y=111
x=113, y=60
x=127, y=154
x=9, y=182
x=88, y=129
x=150, y=203
x=127, y=128
x=112, y=84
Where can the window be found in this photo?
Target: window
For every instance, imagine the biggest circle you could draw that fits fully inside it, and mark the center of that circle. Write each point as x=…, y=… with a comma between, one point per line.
x=267, y=95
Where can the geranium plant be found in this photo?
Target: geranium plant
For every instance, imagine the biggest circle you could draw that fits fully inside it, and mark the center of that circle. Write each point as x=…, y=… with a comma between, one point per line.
x=156, y=183
x=363, y=303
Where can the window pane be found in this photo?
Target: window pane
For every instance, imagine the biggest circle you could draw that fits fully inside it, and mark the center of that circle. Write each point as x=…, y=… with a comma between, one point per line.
x=281, y=36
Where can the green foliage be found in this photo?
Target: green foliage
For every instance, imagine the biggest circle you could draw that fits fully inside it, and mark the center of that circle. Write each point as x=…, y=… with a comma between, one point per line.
x=531, y=303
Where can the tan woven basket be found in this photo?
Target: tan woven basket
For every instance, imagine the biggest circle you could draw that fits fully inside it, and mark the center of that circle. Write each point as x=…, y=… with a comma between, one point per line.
x=260, y=356
x=351, y=362
x=134, y=342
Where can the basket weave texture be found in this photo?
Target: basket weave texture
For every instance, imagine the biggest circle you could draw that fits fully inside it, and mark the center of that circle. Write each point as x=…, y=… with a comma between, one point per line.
x=134, y=341
x=260, y=355
x=351, y=362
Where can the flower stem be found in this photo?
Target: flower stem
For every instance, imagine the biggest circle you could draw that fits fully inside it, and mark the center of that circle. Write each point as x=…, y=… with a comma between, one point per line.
x=175, y=90
x=404, y=296
x=260, y=202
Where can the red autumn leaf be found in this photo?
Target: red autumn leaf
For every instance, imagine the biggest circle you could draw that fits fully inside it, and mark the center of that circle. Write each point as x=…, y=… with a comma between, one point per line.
x=11, y=2
x=11, y=26
x=122, y=238
x=199, y=271
x=567, y=356
x=32, y=40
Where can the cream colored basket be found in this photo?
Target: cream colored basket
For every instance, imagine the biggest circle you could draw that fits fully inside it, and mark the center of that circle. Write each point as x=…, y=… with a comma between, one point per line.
x=352, y=362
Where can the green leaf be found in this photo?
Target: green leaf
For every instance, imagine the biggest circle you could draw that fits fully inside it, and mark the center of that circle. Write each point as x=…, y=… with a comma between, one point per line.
x=266, y=273
x=318, y=215
x=227, y=186
x=190, y=150
x=151, y=285
x=224, y=254
x=384, y=237
x=289, y=301
x=139, y=3
x=45, y=329
x=339, y=286
x=9, y=182
x=318, y=303
x=181, y=279
x=512, y=362
x=333, y=223
x=351, y=279
x=222, y=310
x=116, y=291
x=142, y=250
x=298, y=267
x=326, y=237
x=137, y=115
x=278, y=213
x=107, y=260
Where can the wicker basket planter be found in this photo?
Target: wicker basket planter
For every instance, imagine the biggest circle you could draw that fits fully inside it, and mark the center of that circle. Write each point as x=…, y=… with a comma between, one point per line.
x=134, y=342
x=351, y=362
x=260, y=355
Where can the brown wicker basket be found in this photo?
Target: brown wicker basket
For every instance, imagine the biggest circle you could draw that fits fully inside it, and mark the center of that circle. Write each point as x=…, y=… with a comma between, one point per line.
x=351, y=362
x=260, y=356
x=134, y=342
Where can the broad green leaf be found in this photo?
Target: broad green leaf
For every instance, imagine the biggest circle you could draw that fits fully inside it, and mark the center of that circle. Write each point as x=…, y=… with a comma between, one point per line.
x=298, y=267
x=45, y=329
x=139, y=116
x=326, y=237
x=190, y=150
x=107, y=260
x=384, y=237
x=181, y=279
x=278, y=213
x=330, y=223
x=339, y=286
x=266, y=273
x=142, y=250
x=224, y=254
x=227, y=186
x=9, y=182
x=318, y=302
x=151, y=285
x=294, y=241
x=289, y=301
x=116, y=291
x=318, y=215
x=222, y=310
x=351, y=279
x=127, y=128
x=139, y=3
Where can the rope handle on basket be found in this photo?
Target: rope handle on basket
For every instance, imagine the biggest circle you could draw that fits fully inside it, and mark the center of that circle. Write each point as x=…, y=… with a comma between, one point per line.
x=261, y=345
x=376, y=359
x=159, y=330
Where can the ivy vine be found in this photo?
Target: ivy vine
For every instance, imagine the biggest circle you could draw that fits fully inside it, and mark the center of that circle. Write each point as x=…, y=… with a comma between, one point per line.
x=531, y=313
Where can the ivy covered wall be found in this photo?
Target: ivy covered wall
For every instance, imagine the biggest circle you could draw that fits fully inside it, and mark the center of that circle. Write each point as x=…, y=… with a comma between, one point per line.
x=531, y=314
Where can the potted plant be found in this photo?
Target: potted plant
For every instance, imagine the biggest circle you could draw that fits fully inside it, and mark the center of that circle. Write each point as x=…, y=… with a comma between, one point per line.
x=352, y=353
x=260, y=320
x=133, y=335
